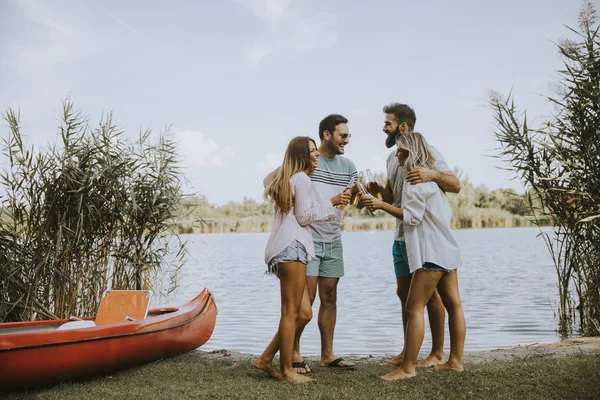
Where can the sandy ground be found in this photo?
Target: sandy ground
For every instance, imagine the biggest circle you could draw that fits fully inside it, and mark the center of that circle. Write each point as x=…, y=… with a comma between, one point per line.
x=572, y=346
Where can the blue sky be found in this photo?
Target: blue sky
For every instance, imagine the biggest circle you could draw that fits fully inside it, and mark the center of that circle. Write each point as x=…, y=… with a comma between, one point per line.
x=237, y=79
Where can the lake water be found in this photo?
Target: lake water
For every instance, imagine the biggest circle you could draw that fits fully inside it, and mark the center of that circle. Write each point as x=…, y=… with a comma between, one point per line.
x=507, y=283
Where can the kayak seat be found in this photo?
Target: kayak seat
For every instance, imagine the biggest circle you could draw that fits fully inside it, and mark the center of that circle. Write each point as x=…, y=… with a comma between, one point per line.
x=76, y=325
x=118, y=306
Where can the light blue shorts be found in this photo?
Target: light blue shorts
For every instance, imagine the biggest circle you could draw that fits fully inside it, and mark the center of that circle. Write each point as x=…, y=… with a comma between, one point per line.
x=329, y=261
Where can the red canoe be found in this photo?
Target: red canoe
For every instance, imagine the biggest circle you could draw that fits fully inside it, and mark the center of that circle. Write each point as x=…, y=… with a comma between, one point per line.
x=37, y=352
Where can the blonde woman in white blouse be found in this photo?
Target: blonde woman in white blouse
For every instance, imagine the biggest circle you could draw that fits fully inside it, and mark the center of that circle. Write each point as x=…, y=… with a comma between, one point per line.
x=433, y=256
x=290, y=247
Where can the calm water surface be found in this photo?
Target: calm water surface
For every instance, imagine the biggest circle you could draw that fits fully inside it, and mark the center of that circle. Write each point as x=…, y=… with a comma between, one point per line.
x=507, y=283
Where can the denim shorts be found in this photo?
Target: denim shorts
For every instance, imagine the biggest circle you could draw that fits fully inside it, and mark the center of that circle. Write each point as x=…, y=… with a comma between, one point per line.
x=430, y=267
x=294, y=252
x=400, y=257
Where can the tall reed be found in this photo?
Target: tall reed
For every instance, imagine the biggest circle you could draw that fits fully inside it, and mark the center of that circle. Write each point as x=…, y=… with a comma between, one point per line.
x=559, y=164
x=89, y=213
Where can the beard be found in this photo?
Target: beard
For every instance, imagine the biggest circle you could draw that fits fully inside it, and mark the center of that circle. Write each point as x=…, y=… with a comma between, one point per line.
x=390, y=141
x=335, y=149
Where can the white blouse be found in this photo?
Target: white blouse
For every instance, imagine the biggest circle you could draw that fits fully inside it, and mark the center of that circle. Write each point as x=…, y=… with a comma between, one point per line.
x=427, y=233
x=308, y=208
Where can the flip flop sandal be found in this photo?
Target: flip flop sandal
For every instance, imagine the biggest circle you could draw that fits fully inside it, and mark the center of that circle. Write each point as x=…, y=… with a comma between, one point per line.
x=336, y=364
x=302, y=364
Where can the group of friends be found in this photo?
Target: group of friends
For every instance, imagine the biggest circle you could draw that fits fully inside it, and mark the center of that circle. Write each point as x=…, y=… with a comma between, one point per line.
x=305, y=250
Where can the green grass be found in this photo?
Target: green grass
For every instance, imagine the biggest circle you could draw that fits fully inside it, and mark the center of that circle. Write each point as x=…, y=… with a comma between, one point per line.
x=199, y=375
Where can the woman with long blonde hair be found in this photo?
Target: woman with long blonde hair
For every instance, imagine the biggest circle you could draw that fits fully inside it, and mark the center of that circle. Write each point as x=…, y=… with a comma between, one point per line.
x=290, y=247
x=433, y=257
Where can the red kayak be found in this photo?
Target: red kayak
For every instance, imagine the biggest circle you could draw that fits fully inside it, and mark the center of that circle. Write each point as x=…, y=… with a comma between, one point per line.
x=42, y=352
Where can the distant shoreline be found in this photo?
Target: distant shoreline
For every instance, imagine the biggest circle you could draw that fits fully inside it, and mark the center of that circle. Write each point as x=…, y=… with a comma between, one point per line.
x=264, y=223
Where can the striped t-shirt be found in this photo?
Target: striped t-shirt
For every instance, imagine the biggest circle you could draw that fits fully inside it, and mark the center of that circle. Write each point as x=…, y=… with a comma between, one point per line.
x=330, y=178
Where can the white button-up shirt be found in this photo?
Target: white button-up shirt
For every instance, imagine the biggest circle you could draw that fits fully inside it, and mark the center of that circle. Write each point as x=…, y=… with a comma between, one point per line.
x=427, y=233
x=308, y=208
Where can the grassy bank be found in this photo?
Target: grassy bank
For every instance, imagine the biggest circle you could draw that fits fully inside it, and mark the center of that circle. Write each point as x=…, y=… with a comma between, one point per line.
x=573, y=374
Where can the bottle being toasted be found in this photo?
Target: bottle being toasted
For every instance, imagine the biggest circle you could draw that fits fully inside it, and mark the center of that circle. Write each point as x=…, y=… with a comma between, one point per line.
x=356, y=189
x=372, y=185
x=359, y=189
x=362, y=190
x=365, y=184
x=348, y=189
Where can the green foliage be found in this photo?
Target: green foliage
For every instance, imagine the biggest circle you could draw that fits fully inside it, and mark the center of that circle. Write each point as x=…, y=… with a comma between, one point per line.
x=473, y=207
x=90, y=214
x=559, y=164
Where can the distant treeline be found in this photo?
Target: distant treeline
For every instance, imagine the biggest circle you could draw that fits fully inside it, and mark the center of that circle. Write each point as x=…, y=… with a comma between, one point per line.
x=473, y=207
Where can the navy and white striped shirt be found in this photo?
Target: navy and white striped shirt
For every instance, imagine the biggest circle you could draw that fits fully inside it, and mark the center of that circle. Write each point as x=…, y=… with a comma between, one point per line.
x=330, y=178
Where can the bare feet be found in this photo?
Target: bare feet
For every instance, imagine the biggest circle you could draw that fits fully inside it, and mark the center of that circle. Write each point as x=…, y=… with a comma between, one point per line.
x=396, y=361
x=398, y=374
x=431, y=361
x=450, y=366
x=266, y=366
x=294, y=377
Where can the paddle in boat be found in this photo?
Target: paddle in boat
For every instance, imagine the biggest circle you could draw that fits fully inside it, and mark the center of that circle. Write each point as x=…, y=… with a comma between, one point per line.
x=124, y=333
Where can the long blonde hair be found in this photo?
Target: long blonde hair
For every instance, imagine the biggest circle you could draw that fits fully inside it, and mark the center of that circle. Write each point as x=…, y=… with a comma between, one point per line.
x=419, y=152
x=296, y=159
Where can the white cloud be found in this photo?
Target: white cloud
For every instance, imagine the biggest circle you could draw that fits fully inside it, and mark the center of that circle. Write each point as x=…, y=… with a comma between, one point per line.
x=258, y=53
x=200, y=151
x=269, y=162
x=316, y=32
x=228, y=151
x=270, y=12
x=291, y=26
x=55, y=35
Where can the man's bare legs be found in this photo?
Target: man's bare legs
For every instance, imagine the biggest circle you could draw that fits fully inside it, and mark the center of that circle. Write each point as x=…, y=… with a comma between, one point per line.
x=422, y=287
x=437, y=316
x=402, y=287
x=292, y=277
x=448, y=288
x=327, y=319
x=327, y=288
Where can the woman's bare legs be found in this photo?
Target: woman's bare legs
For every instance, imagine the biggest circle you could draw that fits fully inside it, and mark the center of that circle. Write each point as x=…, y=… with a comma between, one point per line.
x=437, y=315
x=422, y=287
x=292, y=277
x=448, y=288
x=402, y=288
x=265, y=360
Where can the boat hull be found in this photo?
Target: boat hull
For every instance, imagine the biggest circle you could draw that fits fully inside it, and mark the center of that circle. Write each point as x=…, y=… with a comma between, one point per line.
x=44, y=357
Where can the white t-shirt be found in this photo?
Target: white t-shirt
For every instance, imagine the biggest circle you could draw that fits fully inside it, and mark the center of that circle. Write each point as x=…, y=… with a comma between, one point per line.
x=396, y=172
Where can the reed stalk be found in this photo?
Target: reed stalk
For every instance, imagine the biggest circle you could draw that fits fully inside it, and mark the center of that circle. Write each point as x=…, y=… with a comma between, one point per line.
x=94, y=209
x=558, y=163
